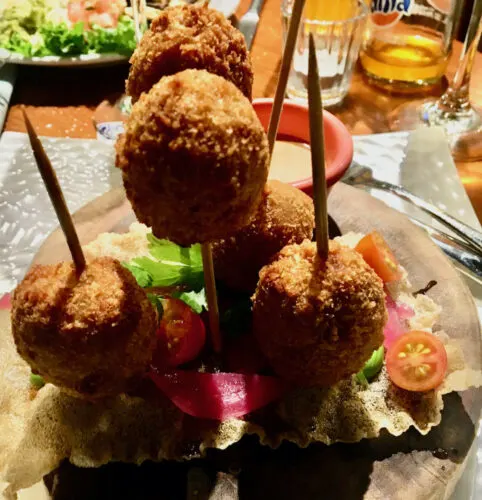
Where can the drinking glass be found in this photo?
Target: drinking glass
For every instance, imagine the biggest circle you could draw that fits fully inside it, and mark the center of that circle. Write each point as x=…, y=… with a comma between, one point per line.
x=338, y=29
x=452, y=111
x=409, y=45
x=108, y=116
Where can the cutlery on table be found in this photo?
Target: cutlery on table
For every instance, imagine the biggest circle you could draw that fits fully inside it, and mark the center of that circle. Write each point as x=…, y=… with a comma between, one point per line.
x=362, y=176
x=463, y=250
x=248, y=24
x=469, y=264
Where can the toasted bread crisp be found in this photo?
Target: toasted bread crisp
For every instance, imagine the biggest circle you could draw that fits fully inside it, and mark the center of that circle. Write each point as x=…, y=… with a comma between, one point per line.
x=36, y=434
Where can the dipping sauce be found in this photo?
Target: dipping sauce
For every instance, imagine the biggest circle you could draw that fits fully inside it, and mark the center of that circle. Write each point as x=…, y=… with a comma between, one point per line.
x=291, y=161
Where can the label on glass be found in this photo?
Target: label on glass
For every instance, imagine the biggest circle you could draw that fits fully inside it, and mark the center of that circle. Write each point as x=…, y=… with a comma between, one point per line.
x=387, y=13
x=109, y=131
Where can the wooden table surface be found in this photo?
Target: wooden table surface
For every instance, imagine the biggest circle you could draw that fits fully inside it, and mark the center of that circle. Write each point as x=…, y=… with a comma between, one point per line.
x=62, y=101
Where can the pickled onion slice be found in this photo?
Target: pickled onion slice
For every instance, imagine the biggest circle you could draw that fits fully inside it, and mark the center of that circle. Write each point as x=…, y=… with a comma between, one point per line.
x=398, y=314
x=5, y=302
x=218, y=396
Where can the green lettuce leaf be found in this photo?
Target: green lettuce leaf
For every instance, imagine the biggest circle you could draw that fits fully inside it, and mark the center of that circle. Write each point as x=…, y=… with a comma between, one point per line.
x=48, y=38
x=372, y=366
x=143, y=278
x=20, y=44
x=197, y=301
x=168, y=265
x=119, y=40
x=156, y=301
x=61, y=40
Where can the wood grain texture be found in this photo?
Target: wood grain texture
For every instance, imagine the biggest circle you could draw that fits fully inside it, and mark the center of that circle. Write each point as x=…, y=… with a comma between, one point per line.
x=61, y=102
x=396, y=468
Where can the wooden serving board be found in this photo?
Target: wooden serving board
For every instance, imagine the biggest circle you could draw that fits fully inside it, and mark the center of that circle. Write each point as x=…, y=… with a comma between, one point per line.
x=410, y=466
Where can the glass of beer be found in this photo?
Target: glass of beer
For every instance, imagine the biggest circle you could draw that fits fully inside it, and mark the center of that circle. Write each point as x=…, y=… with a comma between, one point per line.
x=453, y=111
x=409, y=43
x=338, y=27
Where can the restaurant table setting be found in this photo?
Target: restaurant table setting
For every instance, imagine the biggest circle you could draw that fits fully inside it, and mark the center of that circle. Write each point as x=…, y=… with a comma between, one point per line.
x=411, y=171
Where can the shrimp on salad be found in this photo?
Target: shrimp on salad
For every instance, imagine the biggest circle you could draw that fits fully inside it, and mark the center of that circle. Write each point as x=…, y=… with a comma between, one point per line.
x=104, y=13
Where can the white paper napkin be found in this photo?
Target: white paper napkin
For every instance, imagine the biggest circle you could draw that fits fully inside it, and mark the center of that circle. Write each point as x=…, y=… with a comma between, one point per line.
x=8, y=74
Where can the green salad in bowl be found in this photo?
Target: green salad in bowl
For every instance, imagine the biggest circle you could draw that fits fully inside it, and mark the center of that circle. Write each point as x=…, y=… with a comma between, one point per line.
x=65, y=28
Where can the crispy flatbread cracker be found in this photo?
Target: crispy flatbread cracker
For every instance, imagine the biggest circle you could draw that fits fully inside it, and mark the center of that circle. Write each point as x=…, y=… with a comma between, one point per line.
x=36, y=434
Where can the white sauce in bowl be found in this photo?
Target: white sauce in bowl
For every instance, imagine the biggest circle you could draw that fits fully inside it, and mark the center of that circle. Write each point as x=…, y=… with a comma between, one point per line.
x=291, y=162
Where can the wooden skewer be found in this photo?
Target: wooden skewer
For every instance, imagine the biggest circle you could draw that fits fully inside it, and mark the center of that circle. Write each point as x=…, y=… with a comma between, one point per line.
x=317, y=145
x=56, y=196
x=211, y=295
x=284, y=72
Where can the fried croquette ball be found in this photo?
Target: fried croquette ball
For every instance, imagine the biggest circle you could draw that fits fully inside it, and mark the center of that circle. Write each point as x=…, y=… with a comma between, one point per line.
x=190, y=37
x=318, y=322
x=194, y=158
x=284, y=216
x=91, y=335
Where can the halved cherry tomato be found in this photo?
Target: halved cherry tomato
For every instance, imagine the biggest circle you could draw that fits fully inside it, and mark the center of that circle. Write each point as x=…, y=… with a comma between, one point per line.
x=377, y=254
x=416, y=361
x=181, y=334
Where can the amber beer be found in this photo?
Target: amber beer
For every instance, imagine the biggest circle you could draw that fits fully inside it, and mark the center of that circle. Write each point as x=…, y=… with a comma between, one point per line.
x=408, y=43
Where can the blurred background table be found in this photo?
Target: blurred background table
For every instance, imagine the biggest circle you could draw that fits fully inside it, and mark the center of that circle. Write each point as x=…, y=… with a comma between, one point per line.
x=61, y=102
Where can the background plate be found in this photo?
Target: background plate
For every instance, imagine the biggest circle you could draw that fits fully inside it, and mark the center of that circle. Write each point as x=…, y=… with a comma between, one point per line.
x=226, y=7
x=80, y=61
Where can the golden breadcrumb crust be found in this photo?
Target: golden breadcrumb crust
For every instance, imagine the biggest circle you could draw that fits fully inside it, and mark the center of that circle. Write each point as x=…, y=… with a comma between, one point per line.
x=318, y=321
x=194, y=158
x=190, y=37
x=89, y=335
x=285, y=216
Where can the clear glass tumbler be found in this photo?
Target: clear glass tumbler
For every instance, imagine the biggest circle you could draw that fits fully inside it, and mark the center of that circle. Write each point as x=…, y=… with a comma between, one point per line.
x=108, y=117
x=338, y=31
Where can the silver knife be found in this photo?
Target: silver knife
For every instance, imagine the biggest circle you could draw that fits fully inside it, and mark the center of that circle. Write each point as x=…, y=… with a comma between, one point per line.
x=467, y=262
x=248, y=24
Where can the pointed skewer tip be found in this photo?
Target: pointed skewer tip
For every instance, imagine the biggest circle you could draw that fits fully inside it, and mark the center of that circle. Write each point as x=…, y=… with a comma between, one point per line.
x=54, y=190
x=288, y=51
x=317, y=143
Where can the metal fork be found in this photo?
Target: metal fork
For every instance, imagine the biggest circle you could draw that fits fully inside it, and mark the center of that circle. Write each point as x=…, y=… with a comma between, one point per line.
x=248, y=24
x=362, y=176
